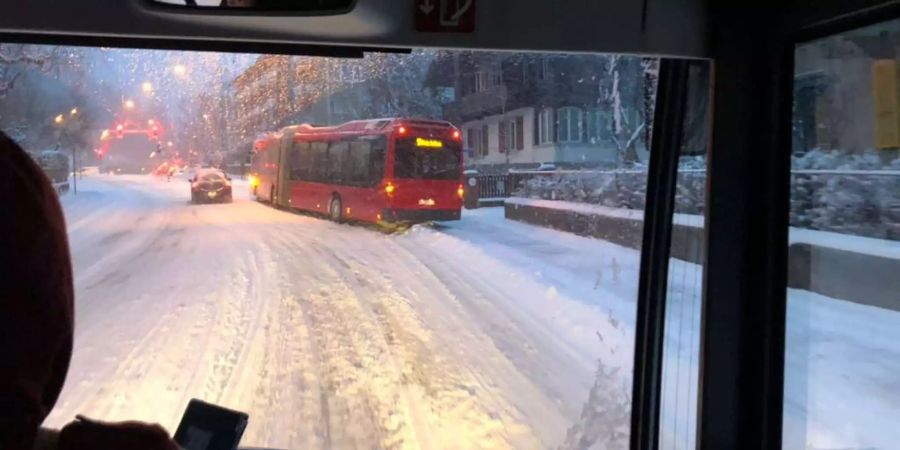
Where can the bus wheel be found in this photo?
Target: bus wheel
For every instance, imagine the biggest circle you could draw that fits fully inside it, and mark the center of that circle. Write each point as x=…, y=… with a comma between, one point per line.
x=335, y=212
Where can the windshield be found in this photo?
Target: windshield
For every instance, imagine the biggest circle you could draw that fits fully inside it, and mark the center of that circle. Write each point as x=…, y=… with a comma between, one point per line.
x=335, y=306
x=212, y=176
x=436, y=160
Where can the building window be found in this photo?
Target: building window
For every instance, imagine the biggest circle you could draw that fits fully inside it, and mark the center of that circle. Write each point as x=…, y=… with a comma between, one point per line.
x=348, y=73
x=544, y=69
x=503, y=135
x=485, y=80
x=545, y=126
x=512, y=135
x=520, y=133
x=569, y=121
x=477, y=140
x=598, y=126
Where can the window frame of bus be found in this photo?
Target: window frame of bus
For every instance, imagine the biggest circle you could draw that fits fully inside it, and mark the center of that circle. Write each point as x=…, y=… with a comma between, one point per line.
x=745, y=281
x=305, y=155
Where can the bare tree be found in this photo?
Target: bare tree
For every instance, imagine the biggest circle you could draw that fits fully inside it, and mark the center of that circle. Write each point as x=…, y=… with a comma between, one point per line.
x=16, y=58
x=628, y=92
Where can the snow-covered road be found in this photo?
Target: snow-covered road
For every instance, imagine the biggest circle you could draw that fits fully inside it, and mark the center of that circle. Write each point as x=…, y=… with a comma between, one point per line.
x=481, y=333
x=331, y=336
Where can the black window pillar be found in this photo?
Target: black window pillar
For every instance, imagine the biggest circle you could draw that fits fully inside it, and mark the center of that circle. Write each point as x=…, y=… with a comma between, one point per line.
x=668, y=131
x=743, y=329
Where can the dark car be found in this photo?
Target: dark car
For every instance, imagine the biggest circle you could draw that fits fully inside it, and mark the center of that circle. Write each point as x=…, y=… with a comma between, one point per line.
x=210, y=185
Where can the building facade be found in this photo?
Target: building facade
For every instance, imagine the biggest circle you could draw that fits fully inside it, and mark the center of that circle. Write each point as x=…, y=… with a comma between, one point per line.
x=841, y=87
x=523, y=110
x=263, y=97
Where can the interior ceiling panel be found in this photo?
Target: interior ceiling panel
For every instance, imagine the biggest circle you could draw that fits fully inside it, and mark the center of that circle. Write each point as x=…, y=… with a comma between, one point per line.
x=668, y=27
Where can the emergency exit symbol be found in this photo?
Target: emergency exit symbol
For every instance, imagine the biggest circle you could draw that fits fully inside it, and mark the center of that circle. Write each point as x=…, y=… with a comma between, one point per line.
x=445, y=15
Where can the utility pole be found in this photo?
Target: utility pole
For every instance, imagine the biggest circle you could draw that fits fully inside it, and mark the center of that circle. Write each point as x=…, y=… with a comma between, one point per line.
x=74, y=173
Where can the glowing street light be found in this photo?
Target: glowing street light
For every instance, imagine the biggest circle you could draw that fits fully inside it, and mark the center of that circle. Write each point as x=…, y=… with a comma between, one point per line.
x=129, y=104
x=147, y=87
x=151, y=122
x=58, y=119
x=179, y=70
x=74, y=111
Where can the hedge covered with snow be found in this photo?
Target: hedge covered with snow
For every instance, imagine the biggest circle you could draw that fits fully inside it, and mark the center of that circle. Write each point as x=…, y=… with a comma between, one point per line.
x=864, y=204
x=855, y=194
x=624, y=188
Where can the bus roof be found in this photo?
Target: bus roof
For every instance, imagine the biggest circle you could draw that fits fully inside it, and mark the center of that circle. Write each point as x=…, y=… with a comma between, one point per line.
x=370, y=125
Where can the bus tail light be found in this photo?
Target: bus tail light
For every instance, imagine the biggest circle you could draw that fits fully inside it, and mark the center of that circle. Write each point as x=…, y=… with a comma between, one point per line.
x=389, y=189
x=194, y=185
x=460, y=191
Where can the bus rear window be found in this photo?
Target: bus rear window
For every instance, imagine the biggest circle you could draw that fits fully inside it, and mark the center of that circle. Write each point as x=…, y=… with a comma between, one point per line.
x=429, y=159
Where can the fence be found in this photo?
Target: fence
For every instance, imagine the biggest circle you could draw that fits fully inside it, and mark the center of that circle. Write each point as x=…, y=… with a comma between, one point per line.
x=619, y=188
x=853, y=201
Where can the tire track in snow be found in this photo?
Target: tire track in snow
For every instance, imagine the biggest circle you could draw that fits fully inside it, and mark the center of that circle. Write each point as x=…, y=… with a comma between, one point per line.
x=350, y=366
x=509, y=394
x=329, y=336
x=443, y=400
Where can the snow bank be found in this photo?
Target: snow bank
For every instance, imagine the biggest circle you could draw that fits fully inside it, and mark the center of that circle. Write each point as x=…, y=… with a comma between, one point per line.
x=689, y=220
x=846, y=242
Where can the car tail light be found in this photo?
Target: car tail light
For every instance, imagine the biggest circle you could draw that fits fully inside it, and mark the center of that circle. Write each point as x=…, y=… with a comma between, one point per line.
x=402, y=130
x=194, y=185
x=456, y=135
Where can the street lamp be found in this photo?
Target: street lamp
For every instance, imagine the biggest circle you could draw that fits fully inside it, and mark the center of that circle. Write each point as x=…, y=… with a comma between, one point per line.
x=179, y=70
x=147, y=87
x=59, y=119
x=129, y=104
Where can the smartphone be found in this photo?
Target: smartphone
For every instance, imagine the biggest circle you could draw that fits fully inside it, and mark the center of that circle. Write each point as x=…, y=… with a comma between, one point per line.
x=205, y=426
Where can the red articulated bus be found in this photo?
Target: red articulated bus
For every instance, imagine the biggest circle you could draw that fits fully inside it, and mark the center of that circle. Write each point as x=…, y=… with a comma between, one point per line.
x=381, y=170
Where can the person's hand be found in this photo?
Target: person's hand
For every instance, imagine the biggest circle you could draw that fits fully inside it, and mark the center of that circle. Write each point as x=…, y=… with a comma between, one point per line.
x=89, y=434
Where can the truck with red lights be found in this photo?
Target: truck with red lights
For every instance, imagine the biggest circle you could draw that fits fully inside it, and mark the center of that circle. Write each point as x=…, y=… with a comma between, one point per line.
x=130, y=148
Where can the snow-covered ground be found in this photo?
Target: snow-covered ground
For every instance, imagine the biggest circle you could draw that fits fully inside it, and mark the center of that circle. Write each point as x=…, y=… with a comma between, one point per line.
x=334, y=335
x=482, y=333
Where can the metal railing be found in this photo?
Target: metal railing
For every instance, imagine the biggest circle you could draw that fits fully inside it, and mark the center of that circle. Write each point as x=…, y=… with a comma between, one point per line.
x=505, y=185
x=821, y=199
